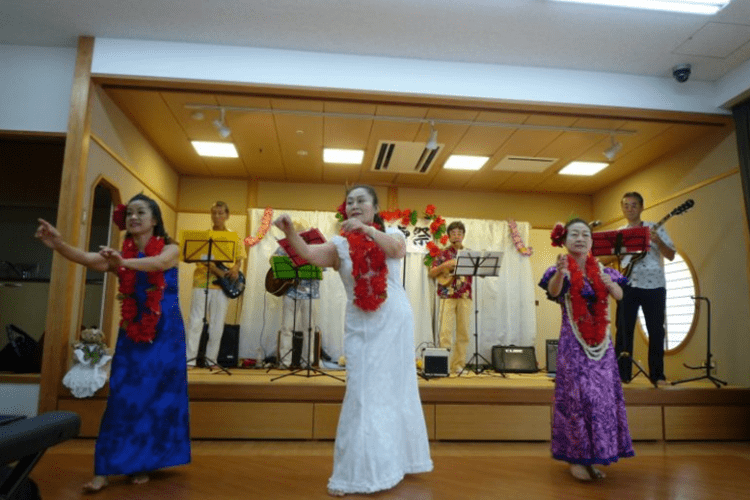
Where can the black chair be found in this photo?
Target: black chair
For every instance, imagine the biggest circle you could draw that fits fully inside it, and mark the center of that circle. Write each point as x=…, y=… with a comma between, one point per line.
x=23, y=441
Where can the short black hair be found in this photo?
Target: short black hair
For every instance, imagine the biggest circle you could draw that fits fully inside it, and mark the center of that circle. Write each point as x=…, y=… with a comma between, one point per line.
x=456, y=224
x=633, y=194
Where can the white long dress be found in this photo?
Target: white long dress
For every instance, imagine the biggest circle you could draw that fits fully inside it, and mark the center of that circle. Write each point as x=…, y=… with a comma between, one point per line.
x=381, y=433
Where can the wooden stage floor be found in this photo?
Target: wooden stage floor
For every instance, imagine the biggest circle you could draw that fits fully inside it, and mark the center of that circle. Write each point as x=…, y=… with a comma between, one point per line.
x=250, y=404
x=238, y=470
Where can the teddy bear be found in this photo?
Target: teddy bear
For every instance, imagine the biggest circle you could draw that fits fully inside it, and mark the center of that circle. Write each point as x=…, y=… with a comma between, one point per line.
x=90, y=357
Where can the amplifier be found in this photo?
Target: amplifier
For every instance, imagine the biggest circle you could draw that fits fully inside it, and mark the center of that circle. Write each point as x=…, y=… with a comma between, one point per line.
x=435, y=362
x=512, y=359
x=552, y=355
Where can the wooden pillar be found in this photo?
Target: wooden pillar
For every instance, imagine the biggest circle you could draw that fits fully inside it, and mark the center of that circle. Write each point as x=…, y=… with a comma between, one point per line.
x=392, y=198
x=60, y=320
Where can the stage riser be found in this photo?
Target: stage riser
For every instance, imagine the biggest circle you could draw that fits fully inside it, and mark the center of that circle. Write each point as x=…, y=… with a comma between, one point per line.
x=449, y=422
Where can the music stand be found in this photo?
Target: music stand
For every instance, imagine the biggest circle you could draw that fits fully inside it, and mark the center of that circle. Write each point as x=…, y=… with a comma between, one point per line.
x=481, y=265
x=628, y=241
x=207, y=247
x=297, y=268
x=707, y=365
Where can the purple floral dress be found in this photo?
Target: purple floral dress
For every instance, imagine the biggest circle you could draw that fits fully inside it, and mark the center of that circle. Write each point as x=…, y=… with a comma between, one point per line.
x=589, y=423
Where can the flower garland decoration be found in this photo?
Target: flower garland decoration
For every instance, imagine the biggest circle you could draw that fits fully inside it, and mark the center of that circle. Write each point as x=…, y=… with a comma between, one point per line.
x=369, y=270
x=437, y=228
x=558, y=235
x=265, y=224
x=143, y=330
x=591, y=321
x=517, y=241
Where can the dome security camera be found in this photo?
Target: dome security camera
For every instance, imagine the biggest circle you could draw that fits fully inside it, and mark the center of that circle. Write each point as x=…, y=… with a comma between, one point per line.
x=681, y=72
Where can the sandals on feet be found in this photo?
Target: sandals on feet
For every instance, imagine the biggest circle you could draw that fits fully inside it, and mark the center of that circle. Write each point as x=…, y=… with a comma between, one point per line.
x=98, y=483
x=335, y=493
x=595, y=473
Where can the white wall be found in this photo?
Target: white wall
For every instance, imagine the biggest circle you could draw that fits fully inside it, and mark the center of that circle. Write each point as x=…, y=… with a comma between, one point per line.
x=35, y=85
x=288, y=68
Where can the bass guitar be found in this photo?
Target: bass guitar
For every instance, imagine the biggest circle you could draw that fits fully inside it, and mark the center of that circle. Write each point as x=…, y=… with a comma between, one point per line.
x=630, y=260
x=231, y=288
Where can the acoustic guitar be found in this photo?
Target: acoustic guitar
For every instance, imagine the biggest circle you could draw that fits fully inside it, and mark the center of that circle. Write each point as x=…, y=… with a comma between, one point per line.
x=231, y=288
x=277, y=286
x=630, y=260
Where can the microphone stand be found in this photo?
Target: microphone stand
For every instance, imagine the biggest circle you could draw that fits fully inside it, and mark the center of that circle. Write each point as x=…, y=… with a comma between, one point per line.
x=707, y=364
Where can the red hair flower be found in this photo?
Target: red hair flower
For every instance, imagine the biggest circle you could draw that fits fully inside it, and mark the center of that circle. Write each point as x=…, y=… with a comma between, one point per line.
x=558, y=235
x=341, y=212
x=118, y=216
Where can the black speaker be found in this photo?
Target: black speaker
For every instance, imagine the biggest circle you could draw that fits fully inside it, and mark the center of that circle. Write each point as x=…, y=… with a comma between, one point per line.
x=512, y=359
x=552, y=355
x=229, y=348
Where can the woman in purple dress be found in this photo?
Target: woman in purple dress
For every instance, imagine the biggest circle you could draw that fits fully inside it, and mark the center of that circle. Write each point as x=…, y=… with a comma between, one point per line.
x=589, y=424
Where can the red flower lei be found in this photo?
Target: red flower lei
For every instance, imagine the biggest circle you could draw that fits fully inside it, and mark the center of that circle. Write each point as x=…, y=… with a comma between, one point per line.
x=145, y=329
x=369, y=270
x=592, y=325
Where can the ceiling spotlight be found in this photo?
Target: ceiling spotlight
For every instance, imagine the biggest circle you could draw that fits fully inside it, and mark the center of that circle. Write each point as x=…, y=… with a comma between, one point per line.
x=221, y=126
x=432, y=142
x=613, y=149
x=197, y=116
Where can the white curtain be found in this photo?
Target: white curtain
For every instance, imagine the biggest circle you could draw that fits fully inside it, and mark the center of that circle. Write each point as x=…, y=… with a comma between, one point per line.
x=505, y=310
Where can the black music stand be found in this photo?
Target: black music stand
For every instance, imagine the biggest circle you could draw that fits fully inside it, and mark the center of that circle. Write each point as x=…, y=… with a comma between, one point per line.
x=290, y=268
x=207, y=247
x=480, y=265
x=707, y=364
x=628, y=241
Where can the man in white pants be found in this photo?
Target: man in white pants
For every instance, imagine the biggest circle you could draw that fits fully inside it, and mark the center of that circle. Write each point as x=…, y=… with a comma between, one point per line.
x=217, y=300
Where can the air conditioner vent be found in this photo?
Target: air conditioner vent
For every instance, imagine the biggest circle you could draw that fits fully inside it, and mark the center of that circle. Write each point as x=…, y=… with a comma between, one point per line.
x=532, y=164
x=404, y=157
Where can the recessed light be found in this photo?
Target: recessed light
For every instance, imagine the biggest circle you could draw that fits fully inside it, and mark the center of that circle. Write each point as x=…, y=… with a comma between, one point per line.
x=706, y=7
x=347, y=156
x=465, y=162
x=302, y=152
x=583, y=168
x=197, y=116
x=215, y=149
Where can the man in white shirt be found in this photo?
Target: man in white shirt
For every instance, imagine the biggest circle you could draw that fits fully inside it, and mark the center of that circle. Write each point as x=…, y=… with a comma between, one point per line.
x=647, y=290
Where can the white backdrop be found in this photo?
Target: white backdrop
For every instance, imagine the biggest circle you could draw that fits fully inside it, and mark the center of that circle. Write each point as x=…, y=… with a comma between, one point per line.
x=506, y=314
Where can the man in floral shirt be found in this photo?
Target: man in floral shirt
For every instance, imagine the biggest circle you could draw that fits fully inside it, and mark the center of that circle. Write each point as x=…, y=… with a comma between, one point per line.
x=455, y=298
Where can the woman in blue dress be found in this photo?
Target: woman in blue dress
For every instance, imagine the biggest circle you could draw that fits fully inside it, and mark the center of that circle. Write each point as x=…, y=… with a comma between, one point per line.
x=589, y=423
x=146, y=424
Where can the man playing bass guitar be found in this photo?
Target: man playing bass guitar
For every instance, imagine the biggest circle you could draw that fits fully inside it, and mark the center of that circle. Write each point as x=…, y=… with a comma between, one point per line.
x=646, y=289
x=455, y=298
x=218, y=301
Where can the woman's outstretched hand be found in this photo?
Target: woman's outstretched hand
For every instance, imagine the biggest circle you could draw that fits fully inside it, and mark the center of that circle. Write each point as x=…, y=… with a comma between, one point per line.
x=48, y=234
x=284, y=222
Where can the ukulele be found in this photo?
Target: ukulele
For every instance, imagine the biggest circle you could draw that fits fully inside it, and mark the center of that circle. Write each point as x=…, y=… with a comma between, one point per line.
x=630, y=261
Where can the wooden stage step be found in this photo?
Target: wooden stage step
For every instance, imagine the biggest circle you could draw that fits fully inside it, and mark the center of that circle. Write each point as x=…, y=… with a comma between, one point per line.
x=248, y=404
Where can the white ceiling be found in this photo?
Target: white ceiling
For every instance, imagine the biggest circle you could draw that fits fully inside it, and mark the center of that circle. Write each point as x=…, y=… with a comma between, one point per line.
x=536, y=33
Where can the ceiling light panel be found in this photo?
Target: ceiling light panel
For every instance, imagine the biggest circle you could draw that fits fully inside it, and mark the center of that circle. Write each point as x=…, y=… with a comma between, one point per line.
x=704, y=7
x=586, y=168
x=343, y=156
x=215, y=149
x=465, y=162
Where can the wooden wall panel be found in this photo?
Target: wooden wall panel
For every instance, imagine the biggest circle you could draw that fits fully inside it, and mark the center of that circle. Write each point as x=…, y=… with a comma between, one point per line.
x=645, y=423
x=706, y=422
x=492, y=422
x=90, y=411
x=243, y=420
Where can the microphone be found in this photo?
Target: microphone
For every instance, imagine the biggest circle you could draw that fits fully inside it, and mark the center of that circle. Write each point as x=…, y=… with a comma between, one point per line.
x=595, y=223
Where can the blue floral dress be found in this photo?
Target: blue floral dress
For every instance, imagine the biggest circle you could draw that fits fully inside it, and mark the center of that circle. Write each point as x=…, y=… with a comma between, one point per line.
x=589, y=423
x=146, y=425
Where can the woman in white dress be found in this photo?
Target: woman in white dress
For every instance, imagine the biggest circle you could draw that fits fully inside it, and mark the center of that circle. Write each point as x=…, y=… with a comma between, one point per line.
x=381, y=433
